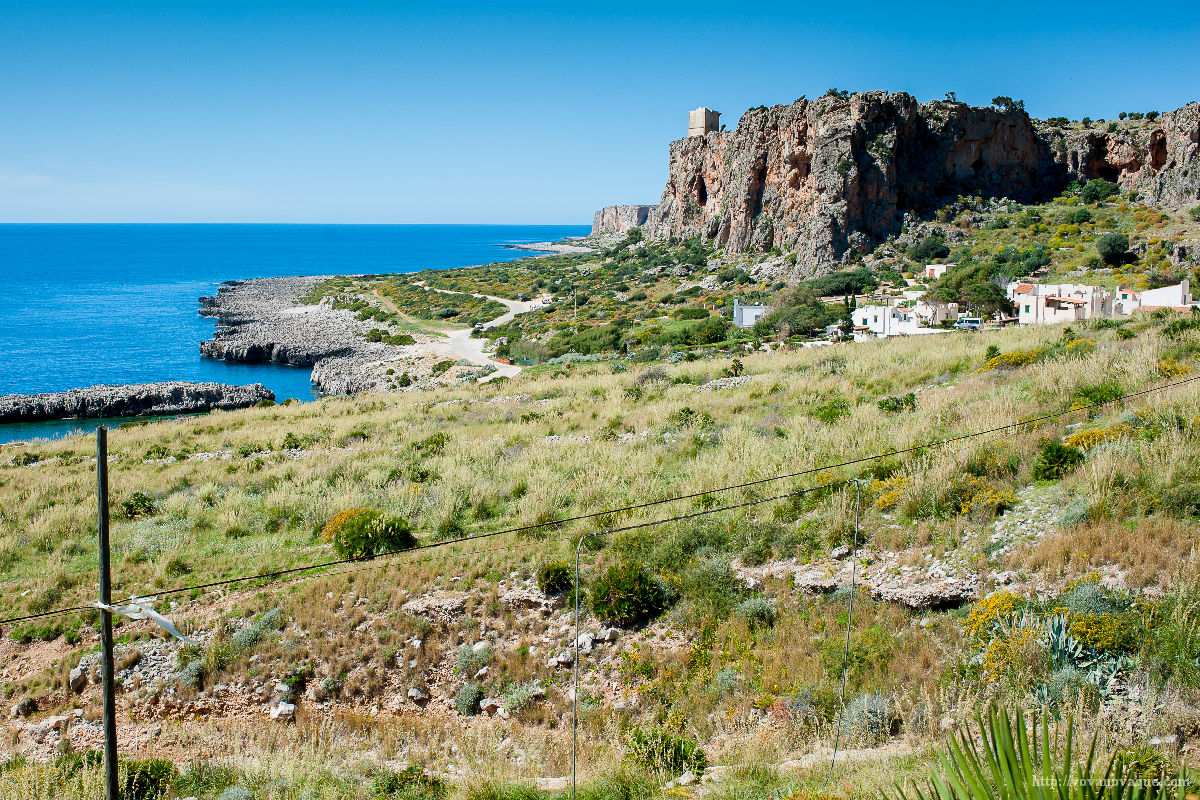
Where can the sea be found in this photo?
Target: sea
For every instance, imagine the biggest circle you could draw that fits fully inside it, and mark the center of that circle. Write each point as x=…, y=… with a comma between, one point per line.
x=82, y=305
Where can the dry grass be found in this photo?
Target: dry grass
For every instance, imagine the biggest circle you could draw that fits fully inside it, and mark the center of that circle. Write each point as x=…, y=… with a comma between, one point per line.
x=1150, y=552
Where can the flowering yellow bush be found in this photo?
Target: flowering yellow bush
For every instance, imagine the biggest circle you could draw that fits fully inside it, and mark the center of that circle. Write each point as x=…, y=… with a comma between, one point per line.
x=1086, y=440
x=1170, y=368
x=1013, y=360
x=889, y=491
x=1020, y=652
x=1079, y=347
x=339, y=521
x=987, y=612
x=972, y=493
x=1104, y=633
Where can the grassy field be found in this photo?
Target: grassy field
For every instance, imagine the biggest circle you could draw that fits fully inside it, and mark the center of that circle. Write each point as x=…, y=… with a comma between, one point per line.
x=751, y=673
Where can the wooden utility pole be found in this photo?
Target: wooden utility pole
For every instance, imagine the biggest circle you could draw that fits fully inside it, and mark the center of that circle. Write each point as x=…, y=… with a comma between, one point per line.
x=106, y=633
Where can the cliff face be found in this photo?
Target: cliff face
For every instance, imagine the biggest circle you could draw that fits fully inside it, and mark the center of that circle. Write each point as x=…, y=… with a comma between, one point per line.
x=139, y=399
x=824, y=177
x=619, y=219
x=828, y=177
x=1161, y=161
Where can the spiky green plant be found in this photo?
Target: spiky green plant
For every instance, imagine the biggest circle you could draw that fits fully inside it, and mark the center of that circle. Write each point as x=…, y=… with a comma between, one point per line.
x=1013, y=762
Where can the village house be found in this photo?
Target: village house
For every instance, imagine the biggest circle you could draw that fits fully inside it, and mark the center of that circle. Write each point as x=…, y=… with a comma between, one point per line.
x=934, y=271
x=1177, y=298
x=1047, y=304
x=744, y=316
x=883, y=321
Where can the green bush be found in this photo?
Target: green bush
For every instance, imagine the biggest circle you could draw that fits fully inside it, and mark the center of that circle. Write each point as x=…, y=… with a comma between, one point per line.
x=137, y=505
x=467, y=699
x=928, y=249
x=1113, y=248
x=627, y=594
x=1194, y=213
x=149, y=779
x=1097, y=190
x=555, y=578
x=410, y=783
x=1055, y=460
x=832, y=411
x=469, y=661
x=363, y=532
x=870, y=717
x=1096, y=394
x=690, y=313
x=758, y=611
x=895, y=405
x=655, y=749
x=711, y=586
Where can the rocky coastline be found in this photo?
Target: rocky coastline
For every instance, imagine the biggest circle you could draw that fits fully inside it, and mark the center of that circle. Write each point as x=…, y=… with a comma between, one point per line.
x=551, y=248
x=267, y=320
x=133, y=400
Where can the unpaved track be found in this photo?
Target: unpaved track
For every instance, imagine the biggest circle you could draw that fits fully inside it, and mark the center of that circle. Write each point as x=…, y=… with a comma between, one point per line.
x=471, y=349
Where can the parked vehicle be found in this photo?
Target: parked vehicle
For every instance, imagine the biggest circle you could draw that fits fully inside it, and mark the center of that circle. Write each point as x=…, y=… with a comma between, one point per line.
x=968, y=323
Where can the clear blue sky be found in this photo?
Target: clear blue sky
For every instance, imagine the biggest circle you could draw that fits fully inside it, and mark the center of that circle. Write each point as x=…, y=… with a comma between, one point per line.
x=462, y=112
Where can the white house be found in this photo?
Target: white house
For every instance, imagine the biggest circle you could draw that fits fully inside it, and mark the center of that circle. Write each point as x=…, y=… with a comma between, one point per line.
x=934, y=271
x=746, y=316
x=883, y=321
x=934, y=313
x=1047, y=304
x=1177, y=297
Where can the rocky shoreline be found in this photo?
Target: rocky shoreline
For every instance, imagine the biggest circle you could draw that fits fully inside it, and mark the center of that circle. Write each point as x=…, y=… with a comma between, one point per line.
x=133, y=400
x=551, y=248
x=266, y=320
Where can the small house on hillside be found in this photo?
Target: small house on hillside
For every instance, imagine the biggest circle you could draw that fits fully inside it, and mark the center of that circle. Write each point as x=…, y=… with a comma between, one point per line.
x=1177, y=298
x=934, y=271
x=744, y=316
x=1047, y=304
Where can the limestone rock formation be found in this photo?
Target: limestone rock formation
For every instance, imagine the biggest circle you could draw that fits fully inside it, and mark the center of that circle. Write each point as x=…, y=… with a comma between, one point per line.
x=139, y=399
x=825, y=177
x=1160, y=160
x=829, y=177
x=619, y=219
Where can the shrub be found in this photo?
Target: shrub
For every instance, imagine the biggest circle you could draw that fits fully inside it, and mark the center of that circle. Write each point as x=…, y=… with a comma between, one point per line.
x=467, y=699
x=441, y=366
x=870, y=717
x=149, y=779
x=1096, y=394
x=658, y=750
x=236, y=793
x=137, y=505
x=928, y=249
x=690, y=313
x=410, y=783
x=1194, y=213
x=1113, y=248
x=364, y=532
x=895, y=405
x=757, y=611
x=711, y=586
x=248, y=637
x=517, y=696
x=832, y=411
x=469, y=660
x=555, y=578
x=627, y=594
x=1097, y=190
x=1055, y=460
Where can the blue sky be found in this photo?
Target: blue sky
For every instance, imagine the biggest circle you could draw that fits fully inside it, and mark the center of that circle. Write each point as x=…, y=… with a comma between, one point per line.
x=529, y=113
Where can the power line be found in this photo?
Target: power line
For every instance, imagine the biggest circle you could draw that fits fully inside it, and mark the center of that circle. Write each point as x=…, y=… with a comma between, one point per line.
x=639, y=506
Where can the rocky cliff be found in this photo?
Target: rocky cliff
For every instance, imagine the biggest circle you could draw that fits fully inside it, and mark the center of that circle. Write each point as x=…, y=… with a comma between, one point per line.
x=139, y=399
x=829, y=177
x=1159, y=159
x=619, y=219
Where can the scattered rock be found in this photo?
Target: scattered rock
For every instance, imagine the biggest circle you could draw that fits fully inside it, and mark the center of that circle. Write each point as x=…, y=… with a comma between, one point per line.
x=283, y=712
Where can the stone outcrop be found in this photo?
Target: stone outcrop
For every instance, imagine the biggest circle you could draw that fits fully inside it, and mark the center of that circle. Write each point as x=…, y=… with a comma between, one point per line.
x=831, y=177
x=133, y=400
x=619, y=219
x=1159, y=159
x=827, y=177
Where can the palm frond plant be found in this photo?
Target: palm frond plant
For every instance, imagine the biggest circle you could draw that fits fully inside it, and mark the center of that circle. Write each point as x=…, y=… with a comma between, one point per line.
x=1011, y=761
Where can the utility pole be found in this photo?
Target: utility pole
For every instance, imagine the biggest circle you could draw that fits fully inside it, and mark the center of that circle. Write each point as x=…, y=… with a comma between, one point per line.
x=106, y=634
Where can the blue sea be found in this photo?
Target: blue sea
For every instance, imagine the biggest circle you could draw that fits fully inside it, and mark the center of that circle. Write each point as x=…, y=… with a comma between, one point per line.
x=92, y=304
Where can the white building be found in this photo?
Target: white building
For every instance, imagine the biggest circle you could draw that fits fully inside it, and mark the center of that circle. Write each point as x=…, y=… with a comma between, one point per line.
x=934, y=271
x=1177, y=297
x=1047, y=304
x=883, y=321
x=746, y=316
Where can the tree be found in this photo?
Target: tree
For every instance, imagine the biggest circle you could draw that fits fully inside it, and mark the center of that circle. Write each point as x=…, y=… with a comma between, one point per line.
x=951, y=97
x=1113, y=248
x=1097, y=190
x=1005, y=103
x=928, y=249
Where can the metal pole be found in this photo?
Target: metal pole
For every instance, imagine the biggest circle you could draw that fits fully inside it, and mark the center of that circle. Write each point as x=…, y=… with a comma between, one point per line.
x=106, y=634
x=575, y=666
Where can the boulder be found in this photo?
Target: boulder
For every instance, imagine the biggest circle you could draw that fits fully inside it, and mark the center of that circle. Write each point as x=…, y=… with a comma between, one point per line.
x=78, y=679
x=38, y=732
x=418, y=695
x=283, y=712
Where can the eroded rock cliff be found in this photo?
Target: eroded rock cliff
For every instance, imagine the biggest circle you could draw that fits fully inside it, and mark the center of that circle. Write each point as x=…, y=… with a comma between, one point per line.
x=619, y=219
x=139, y=399
x=830, y=177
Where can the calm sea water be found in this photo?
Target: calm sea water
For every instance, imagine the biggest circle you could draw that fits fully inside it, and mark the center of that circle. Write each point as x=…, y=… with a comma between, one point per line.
x=89, y=304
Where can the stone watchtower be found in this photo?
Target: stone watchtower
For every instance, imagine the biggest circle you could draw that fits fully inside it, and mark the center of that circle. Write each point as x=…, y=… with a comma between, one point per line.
x=703, y=120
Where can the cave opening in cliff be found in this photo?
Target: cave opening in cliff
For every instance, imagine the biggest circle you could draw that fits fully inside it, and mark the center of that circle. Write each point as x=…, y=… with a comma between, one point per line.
x=701, y=192
x=757, y=186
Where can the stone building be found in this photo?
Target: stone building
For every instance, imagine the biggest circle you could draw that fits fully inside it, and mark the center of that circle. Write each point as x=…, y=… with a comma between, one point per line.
x=703, y=120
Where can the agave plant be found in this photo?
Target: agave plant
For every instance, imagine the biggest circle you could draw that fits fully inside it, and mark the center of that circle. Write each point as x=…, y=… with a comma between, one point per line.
x=1012, y=762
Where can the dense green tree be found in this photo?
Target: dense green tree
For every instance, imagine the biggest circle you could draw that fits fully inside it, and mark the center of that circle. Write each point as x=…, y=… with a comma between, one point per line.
x=1113, y=248
x=1097, y=190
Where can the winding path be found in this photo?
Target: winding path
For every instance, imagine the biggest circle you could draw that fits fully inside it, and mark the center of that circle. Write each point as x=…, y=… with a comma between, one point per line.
x=467, y=348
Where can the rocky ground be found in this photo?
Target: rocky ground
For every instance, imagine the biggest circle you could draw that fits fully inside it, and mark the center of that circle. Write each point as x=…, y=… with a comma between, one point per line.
x=139, y=399
x=265, y=321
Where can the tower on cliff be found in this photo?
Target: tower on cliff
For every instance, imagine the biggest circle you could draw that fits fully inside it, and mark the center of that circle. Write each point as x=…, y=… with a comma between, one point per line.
x=703, y=120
